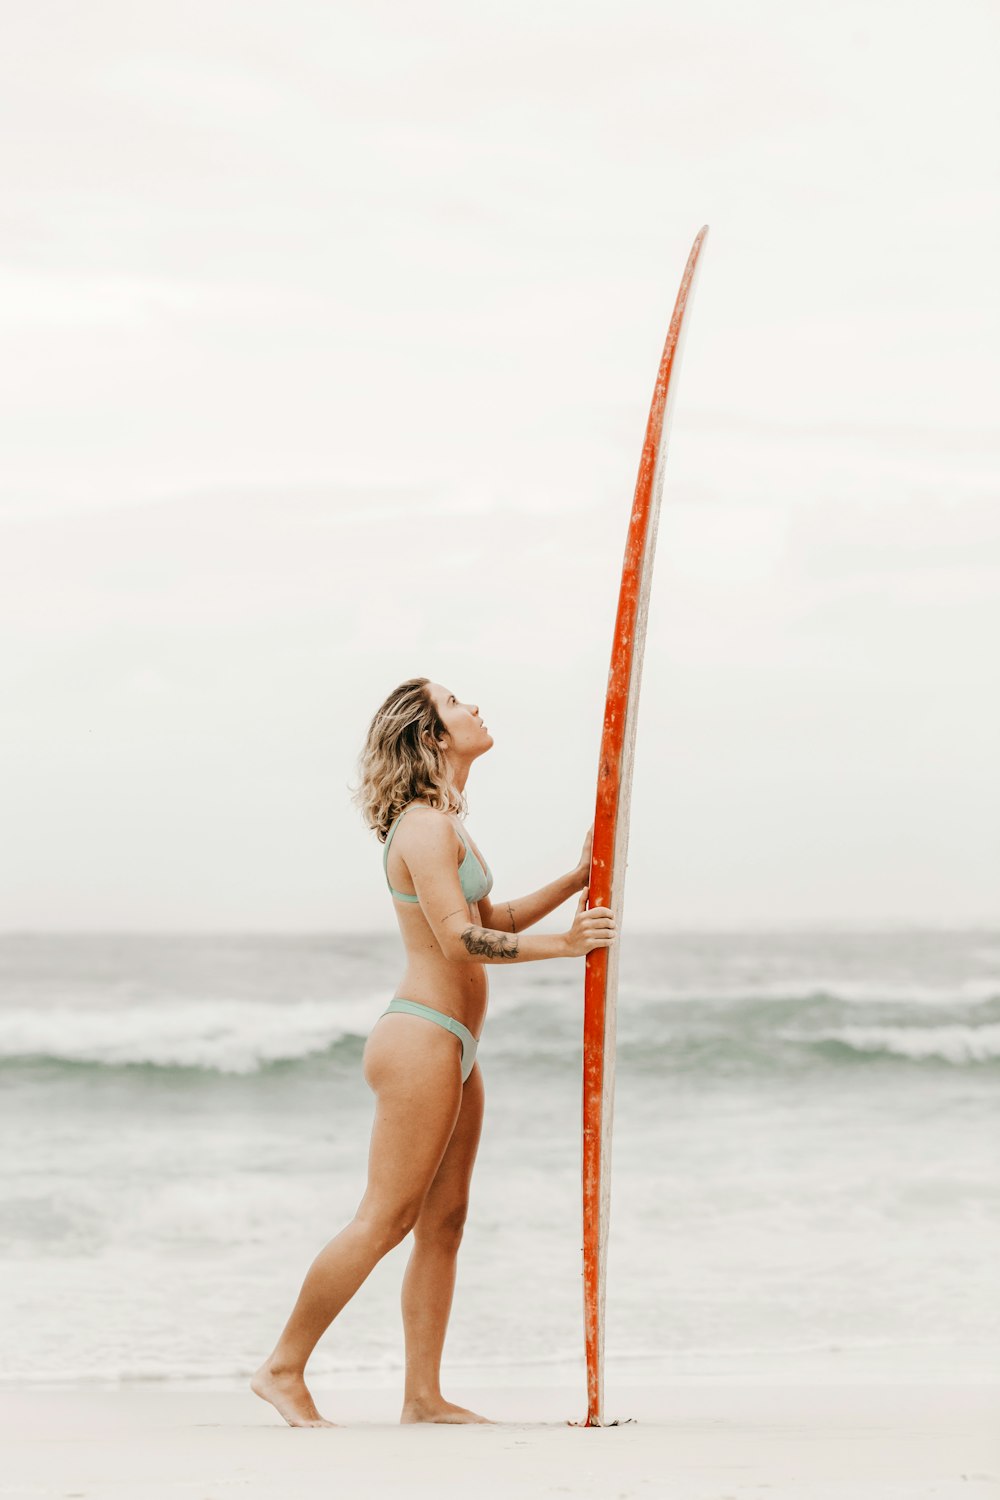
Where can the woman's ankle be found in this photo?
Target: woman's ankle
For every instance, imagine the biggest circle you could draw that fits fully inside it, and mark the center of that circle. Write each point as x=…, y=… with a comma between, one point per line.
x=424, y=1395
x=282, y=1368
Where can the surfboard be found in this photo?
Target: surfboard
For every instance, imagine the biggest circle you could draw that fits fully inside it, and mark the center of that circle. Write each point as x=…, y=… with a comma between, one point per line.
x=610, y=842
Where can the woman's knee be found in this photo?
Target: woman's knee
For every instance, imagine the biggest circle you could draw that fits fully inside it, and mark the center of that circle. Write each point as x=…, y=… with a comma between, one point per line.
x=387, y=1225
x=443, y=1230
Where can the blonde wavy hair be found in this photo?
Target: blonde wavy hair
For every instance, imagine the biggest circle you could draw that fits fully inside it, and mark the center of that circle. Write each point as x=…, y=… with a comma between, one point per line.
x=400, y=759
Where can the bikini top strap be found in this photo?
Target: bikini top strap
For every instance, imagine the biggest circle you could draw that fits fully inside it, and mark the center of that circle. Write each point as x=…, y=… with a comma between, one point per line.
x=389, y=836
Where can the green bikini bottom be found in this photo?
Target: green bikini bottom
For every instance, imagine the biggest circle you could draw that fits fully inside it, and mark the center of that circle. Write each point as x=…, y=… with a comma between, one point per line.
x=469, y=1042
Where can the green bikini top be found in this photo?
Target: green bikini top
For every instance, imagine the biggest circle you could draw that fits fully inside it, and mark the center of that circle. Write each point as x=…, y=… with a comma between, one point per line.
x=476, y=882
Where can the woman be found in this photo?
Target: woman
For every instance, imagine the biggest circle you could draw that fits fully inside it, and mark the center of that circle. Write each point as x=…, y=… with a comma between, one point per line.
x=420, y=1059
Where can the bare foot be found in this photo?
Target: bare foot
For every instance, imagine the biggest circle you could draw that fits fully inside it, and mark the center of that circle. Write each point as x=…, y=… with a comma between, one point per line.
x=289, y=1395
x=437, y=1409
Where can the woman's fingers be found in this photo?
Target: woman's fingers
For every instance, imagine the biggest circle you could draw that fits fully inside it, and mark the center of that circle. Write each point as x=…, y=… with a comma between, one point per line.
x=596, y=927
x=595, y=922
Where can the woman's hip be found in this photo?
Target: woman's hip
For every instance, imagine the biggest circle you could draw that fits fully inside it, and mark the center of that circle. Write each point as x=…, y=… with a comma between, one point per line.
x=419, y=1045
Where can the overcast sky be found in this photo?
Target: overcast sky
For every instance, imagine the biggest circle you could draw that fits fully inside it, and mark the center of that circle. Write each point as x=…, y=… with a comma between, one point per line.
x=330, y=334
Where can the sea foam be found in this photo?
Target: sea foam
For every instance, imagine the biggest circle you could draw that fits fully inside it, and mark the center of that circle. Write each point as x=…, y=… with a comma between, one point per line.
x=951, y=1044
x=228, y=1036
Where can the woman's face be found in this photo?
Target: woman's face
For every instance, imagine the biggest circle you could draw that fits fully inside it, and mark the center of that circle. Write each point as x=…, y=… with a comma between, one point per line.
x=467, y=734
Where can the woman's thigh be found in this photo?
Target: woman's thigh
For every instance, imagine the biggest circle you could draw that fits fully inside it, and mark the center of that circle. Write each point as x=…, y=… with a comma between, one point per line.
x=448, y=1196
x=413, y=1069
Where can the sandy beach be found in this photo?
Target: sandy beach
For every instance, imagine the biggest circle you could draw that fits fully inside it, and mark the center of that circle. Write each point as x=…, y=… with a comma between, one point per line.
x=707, y=1442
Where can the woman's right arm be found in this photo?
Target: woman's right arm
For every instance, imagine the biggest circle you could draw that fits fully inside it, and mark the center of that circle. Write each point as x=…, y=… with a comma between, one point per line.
x=591, y=929
x=430, y=859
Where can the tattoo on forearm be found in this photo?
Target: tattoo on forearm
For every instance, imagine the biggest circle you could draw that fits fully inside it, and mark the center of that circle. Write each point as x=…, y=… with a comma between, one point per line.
x=461, y=911
x=510, y=911
x=484, y=942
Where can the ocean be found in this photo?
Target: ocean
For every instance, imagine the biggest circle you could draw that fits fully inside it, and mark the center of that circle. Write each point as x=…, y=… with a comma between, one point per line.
x=806, y=1165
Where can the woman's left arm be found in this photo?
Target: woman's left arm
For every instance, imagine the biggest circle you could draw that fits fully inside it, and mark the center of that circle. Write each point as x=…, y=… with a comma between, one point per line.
x=515, y=916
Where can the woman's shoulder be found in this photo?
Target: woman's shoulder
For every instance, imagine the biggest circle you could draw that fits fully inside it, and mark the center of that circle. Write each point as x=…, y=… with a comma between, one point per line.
x=428, y=826
x=425, y=807
x=423, y=815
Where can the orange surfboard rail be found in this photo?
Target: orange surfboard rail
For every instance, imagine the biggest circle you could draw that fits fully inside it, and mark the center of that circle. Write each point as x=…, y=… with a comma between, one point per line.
x=610, y=841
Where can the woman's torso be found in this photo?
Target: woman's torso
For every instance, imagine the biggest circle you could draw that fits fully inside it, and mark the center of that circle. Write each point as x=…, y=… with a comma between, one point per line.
x=460, y=990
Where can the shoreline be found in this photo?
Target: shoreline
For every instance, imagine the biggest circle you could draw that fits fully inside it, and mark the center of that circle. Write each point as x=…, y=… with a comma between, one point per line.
x=920, y=1364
